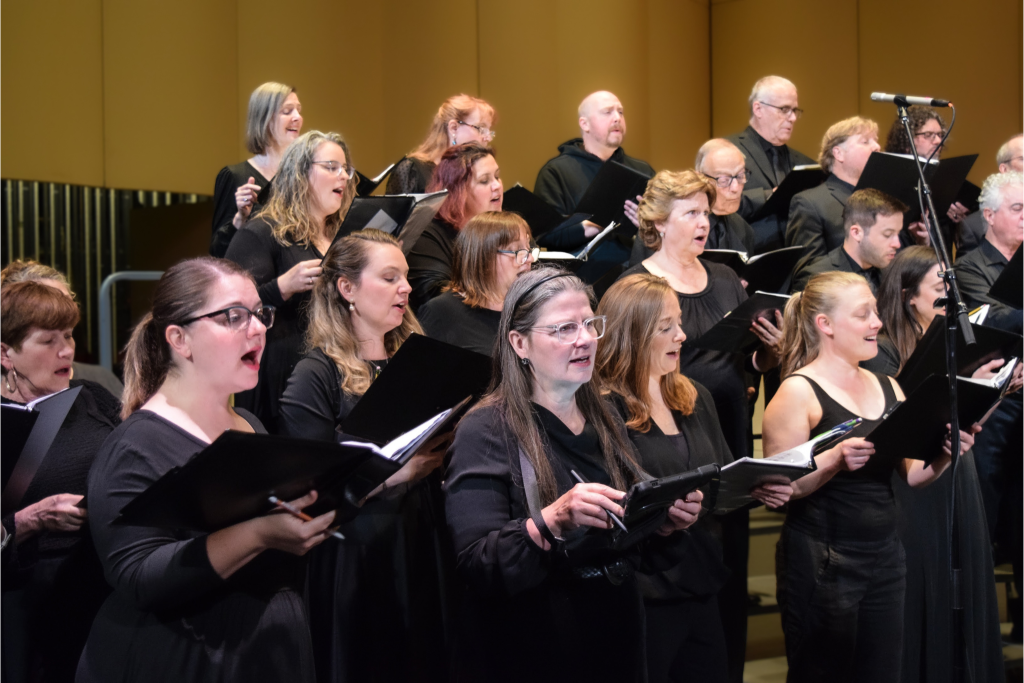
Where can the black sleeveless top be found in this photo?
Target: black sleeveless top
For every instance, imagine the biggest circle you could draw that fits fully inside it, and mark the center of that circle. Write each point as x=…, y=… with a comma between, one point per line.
x=852, y=506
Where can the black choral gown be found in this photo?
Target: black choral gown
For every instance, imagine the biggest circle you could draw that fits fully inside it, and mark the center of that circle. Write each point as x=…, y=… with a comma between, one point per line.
x=724, y=375
x=410, y=176
x=228, y=181
x=171, y=617
x=430, y=261
x=450, y=319
x=377, y=600
x=922, y=518
x=53, y=583
x=255, y=249
x=526, y=615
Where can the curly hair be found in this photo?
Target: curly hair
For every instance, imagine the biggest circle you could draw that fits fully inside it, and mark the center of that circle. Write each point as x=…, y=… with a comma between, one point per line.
x=662, y=190
x=898, y=142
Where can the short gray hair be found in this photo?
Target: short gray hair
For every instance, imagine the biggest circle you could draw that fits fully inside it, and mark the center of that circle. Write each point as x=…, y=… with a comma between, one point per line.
x=994, y=189
x=1005, y=154
x=711, y=146
x=264, y=103
x=765, y=85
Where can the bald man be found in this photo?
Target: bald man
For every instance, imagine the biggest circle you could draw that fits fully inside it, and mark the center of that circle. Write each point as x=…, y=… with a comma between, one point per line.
x=973, y=228
x=774, y=110
x=562, y=181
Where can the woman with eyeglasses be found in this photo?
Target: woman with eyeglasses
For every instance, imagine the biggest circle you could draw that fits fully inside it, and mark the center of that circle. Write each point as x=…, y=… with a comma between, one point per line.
x=52, y=582
x=473, y=180
x=282, y=247
x=535, y=469
x=674, y=221
x=375, y=601
x=672, y=422
x=191, y=606
x=274, y=121
x=490, y=253
x=460, y=119
x=906, y=305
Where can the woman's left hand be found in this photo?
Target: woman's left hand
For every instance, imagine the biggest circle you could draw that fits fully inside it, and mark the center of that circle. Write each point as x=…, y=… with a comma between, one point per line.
x=631, y=208
x=771, y=336
x=682, y=514
x=427, y=459
x=966, y=440
x=772, y=495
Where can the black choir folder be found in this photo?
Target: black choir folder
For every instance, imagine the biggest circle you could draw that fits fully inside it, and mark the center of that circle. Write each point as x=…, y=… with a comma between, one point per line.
x=608, y=192
x=1009, y=286
x=575, y=261
x=647, y=502
x=28, y=432
x=929, y=356
x=732, y=333
x=538, y=214
x=916, y=428
x=421, y=392
x=766, y=272
x=366, y=186
x=897, y=176
x=740, y=476
x=395, y=214
x=799, y=179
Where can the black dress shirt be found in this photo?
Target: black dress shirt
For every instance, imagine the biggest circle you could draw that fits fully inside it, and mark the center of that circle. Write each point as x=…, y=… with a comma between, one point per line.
x=837, y=259
x=977, y=272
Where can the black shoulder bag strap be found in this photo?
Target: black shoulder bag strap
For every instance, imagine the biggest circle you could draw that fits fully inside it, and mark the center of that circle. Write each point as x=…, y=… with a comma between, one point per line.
x=533, y=499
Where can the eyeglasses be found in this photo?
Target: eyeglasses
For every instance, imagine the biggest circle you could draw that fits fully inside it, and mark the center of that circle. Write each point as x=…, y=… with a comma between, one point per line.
x=724, y=181
x=569, y=333
x=932, y=136
x=786, y=111
x=485, y=132
x=335, y=169
x=523, y=256
x=237, y=318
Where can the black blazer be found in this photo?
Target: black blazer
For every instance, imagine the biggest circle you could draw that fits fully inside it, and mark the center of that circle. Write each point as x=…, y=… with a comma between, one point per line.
x=816, y=216
x=769, y=232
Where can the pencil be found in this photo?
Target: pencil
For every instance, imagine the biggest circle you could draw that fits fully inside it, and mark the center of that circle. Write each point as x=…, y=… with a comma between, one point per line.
x=614, y=518
x=299, y=514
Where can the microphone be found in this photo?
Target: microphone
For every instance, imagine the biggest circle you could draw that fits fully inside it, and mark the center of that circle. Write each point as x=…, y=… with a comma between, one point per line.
x=908, y=99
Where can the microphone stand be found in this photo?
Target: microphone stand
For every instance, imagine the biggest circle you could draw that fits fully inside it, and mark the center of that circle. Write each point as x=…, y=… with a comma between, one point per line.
x=956, y=319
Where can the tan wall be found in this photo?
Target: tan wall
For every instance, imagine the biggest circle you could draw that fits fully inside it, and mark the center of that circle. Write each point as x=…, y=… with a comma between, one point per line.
x=149, y=96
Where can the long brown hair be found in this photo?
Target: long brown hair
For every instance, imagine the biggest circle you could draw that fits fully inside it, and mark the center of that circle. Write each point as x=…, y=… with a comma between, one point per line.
x=511, y=389
x=181, y=293
x=801, y=341
x=476, y=249
x=901, y=282
x=330, y=321
x=455, y=108
x=633, y=306
x=288, y=210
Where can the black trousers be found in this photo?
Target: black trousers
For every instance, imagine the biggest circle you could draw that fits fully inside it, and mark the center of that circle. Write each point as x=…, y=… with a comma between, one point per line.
x=842, y=608
x=685, y=641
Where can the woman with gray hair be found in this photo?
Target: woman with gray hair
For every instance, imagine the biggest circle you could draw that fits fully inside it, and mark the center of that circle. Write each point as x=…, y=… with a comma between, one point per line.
x=283, y=245
x=273, y=123
x=549, y=597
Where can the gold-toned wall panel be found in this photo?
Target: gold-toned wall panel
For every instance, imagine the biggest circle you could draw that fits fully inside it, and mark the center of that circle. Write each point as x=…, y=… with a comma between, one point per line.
x=170, y=93
x=52, y=74
x=974, y=61
x=812, y=43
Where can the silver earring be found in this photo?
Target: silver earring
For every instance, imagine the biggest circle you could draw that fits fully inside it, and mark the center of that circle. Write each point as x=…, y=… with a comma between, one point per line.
x=524, y=361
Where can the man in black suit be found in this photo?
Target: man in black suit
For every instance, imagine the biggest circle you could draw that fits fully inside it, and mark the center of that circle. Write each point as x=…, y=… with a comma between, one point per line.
x=872, y=222
x=774, y=110
x=816, y=215
x=974, y=226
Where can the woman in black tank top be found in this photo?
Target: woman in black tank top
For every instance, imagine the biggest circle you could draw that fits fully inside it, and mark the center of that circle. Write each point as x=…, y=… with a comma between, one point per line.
x=840, y=565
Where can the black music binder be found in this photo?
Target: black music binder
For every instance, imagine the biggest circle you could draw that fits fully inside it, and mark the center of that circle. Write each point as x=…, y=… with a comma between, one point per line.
x=608, y=192
x=366, y=186
x=897, y=176
x=732, y=333
x=538, y=214
x=1009, y=286
x=799, y=179
x=767, y=272
x=393, y=214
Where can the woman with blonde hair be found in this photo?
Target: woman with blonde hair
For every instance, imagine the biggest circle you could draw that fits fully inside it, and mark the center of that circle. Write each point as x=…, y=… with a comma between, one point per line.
x=490, y=253
x=273, y=122
x=840, y=566
x=674, y=426
x=460, y=119
x=282, y=247
x=191, y=606
x=674, y=221
x=374, y=601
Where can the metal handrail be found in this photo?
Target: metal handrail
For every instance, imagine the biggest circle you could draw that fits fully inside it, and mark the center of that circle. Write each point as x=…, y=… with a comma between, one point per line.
x=106, y=319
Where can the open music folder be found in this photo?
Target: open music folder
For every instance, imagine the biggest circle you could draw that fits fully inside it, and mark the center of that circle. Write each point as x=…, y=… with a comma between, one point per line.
x=897, y=176
x=799, y=179
x=767, y=272
x=732, y=333
x=608, y=192
x=395, y=214
x=538, y=214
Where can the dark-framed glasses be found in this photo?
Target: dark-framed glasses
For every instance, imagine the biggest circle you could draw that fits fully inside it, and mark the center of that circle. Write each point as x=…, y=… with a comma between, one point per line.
x=484, y=131
x=724, y=181
x=569, y=333
x=786, y=111
x=238, y=318
x=335, y=168
x=931, y=135
x=523, y=256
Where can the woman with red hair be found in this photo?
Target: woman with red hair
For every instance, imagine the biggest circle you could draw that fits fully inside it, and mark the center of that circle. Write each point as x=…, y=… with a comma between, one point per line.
x=460, y=119
x=473, y=180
